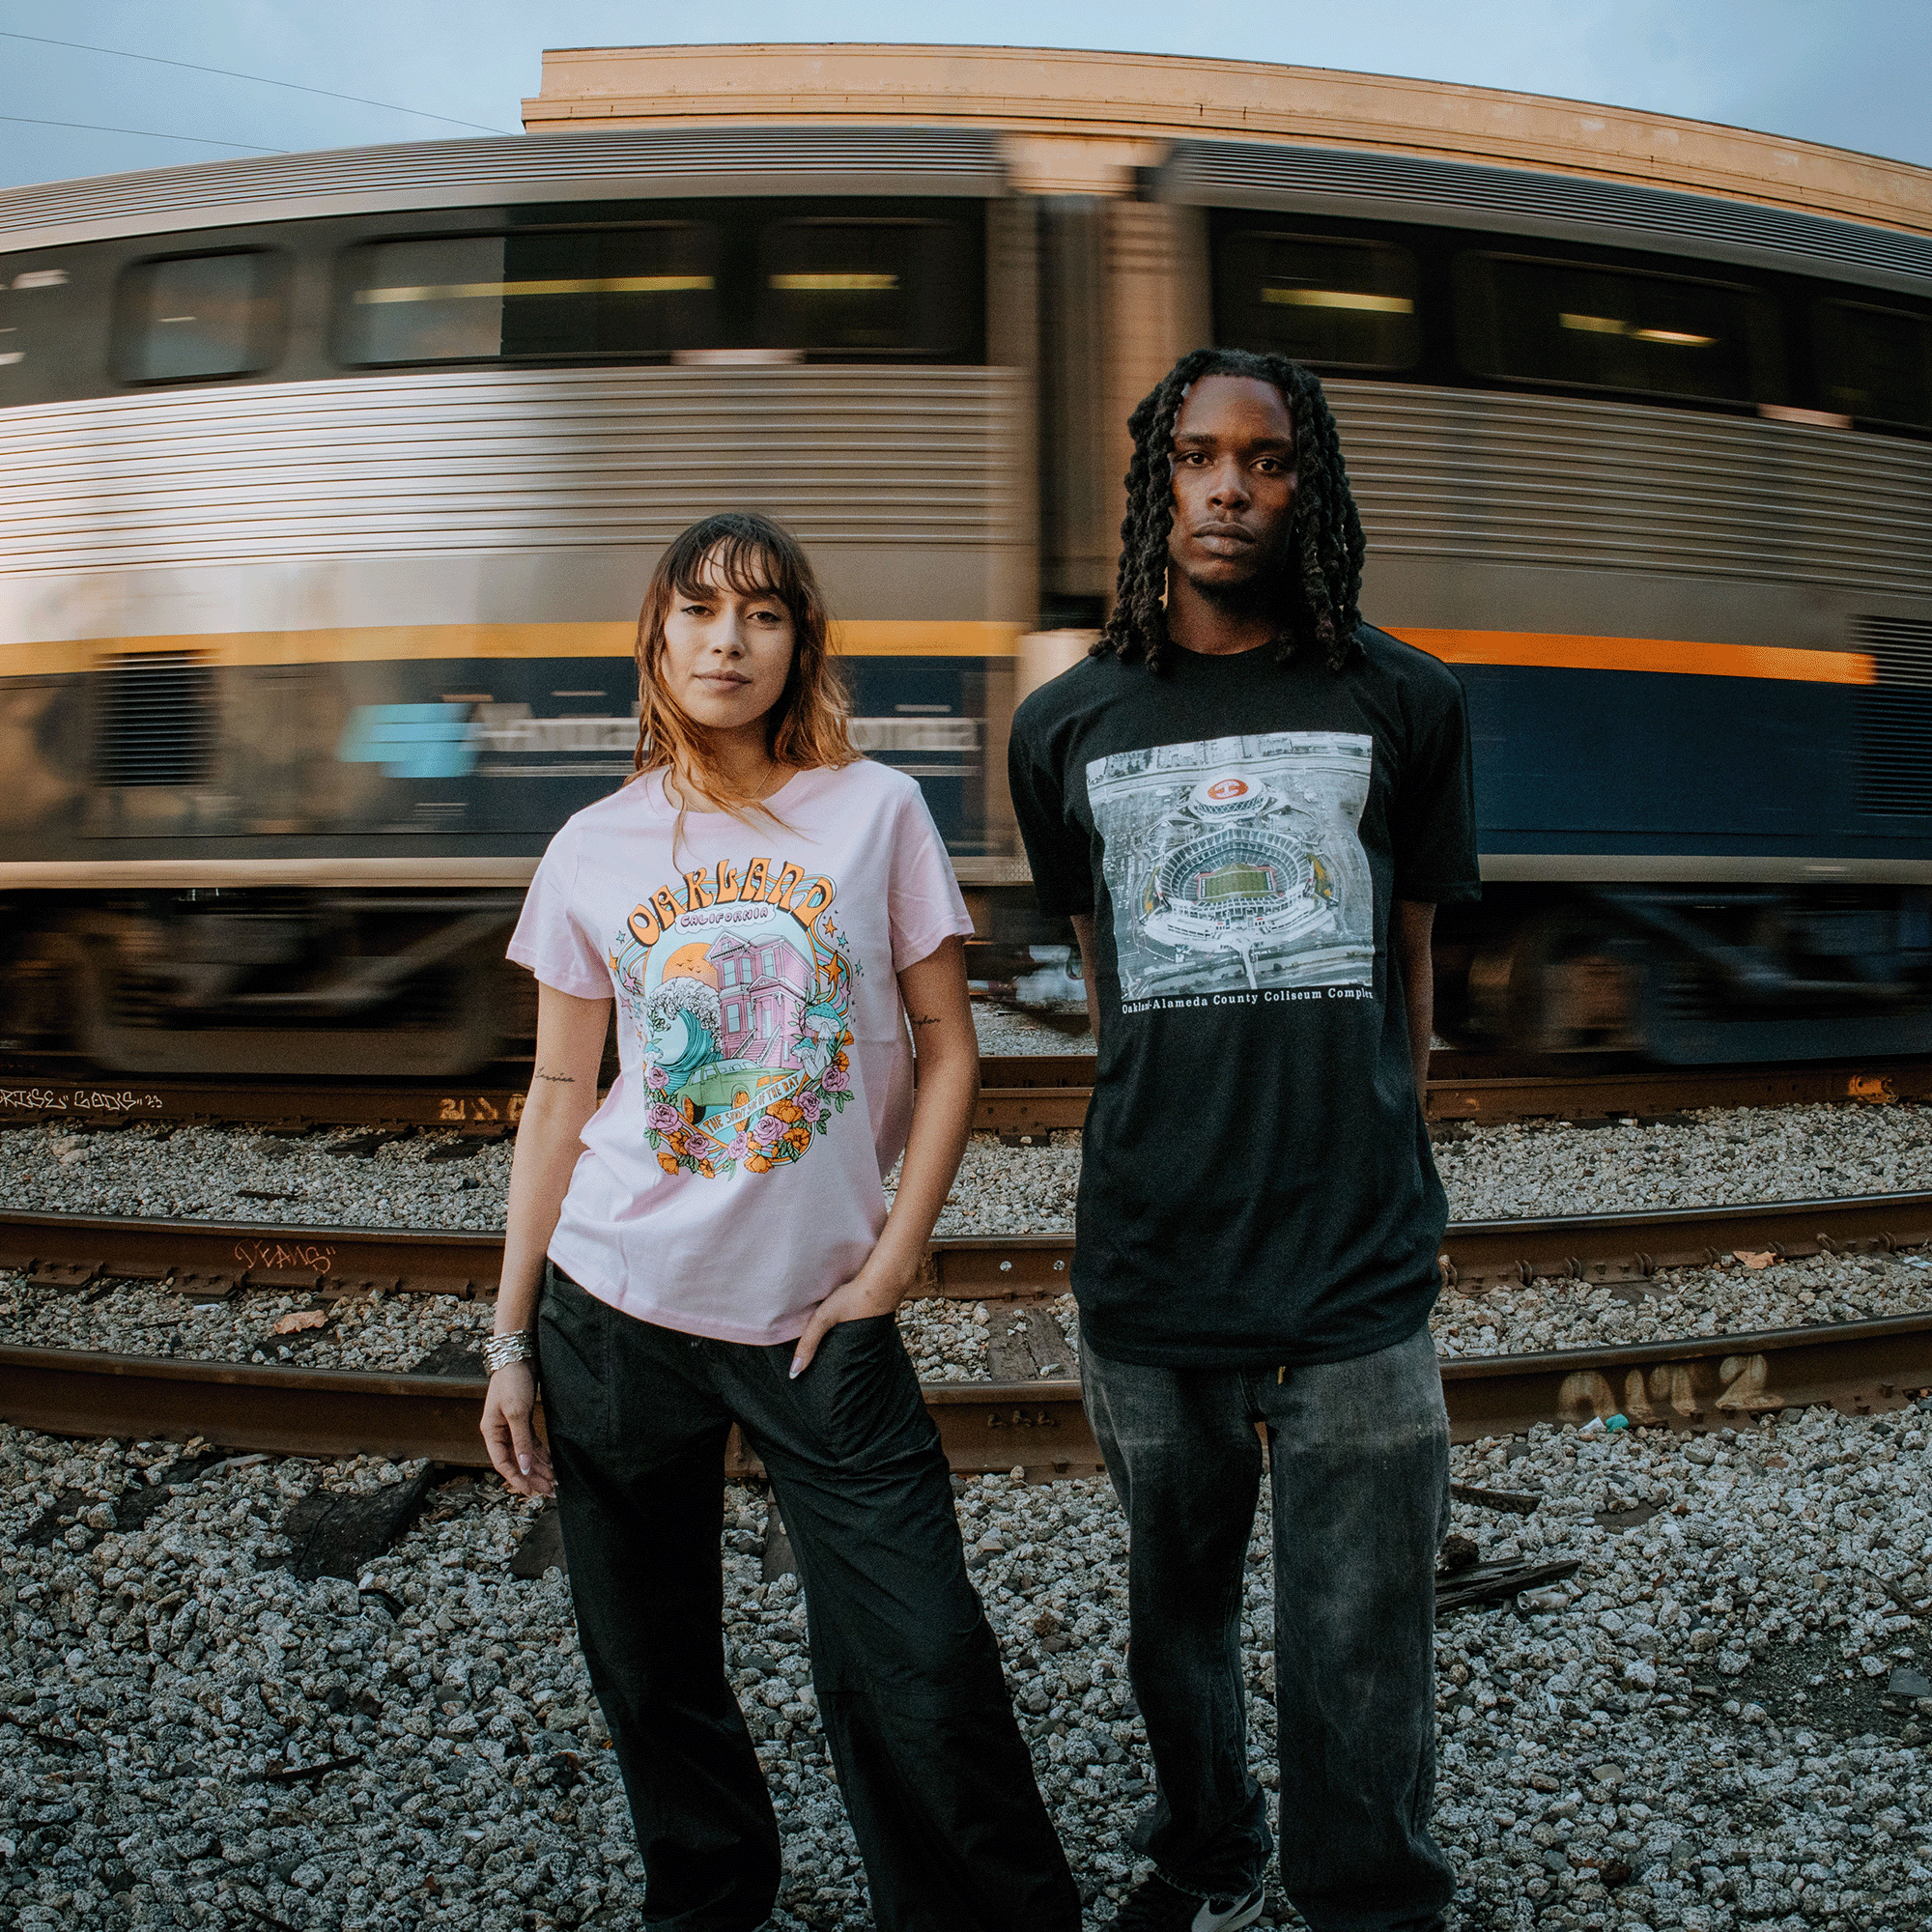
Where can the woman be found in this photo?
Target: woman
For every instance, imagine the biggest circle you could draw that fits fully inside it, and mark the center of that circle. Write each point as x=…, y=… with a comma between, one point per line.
x=767, y=910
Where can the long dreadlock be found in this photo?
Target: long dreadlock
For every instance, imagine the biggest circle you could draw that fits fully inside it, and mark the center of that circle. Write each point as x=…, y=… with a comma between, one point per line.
x=1323, y=594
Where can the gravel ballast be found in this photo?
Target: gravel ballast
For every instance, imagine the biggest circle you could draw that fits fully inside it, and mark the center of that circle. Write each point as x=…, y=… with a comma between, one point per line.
x=389, y=1333
x=228, y=1173
x=1740, y=1156
x=949, y=1341
x=440, y=1334
x=1731, y=1300
x=1011, y=1029
x=1719, y=1722
x=1693, y=1160
x=1771, y=1153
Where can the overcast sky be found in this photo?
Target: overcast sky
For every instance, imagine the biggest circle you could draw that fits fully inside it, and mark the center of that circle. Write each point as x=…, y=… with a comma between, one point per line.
x=1852, y=73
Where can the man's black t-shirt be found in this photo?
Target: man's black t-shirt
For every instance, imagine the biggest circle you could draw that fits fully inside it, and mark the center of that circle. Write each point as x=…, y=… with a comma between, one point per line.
x=1256, y=1186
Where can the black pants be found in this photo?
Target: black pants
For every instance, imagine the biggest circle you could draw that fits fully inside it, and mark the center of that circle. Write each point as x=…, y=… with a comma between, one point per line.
x=936, y=1780
x=1358, y=1455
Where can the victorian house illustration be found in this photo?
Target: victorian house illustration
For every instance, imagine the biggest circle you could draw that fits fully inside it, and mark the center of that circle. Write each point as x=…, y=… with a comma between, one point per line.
x=763, y=983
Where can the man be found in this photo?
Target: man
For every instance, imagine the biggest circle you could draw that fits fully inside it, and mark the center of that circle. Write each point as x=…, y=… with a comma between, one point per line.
x=1251, y=803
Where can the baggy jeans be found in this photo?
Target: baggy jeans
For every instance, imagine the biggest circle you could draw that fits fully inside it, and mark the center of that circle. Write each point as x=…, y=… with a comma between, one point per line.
x=1358, y=1453
x=935, y=1776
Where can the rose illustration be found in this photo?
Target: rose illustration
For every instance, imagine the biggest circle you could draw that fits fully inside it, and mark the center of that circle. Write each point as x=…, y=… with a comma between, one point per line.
x=663, y=1119
x=655, y=1077
x=767, y=1132
x=837, y=1079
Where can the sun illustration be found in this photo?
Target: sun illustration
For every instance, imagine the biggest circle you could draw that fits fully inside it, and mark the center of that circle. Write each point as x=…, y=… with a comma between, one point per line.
x=689, y=963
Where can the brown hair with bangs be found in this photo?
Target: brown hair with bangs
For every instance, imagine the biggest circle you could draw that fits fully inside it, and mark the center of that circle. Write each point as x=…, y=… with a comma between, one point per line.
x=807, y=727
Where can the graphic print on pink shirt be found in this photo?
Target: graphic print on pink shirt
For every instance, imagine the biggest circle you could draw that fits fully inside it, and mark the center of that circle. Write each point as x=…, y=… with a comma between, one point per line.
x=738, y=986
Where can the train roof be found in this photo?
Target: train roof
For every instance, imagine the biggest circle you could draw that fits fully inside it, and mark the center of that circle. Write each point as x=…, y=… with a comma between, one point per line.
x=492, y=170
x=1087, y=105
x=770, y=120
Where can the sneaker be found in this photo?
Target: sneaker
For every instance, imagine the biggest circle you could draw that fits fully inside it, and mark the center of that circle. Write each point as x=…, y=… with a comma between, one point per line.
x=1155, y=1906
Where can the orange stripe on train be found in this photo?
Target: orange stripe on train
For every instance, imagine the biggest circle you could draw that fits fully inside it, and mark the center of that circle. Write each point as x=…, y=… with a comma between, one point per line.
x=1554, y=651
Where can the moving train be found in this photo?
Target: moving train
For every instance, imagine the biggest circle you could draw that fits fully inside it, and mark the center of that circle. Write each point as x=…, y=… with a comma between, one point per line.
x=333, y=479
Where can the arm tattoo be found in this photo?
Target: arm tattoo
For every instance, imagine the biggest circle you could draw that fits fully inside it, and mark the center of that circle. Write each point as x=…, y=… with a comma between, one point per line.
x=924, y=1020
x=556, y=1079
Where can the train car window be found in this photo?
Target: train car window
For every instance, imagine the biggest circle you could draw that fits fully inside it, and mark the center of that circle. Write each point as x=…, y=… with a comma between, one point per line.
x=870, y=285
x=185, y=318
x=1876, y=364
x=1338, y=305
x=647, y=290
x=1587, y=327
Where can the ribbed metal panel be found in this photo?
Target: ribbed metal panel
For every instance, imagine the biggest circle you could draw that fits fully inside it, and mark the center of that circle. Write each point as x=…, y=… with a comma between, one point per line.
x=1895, y=752
x=1900, y=648
x=398, y=466
x=156, y=723
x=1408, y=188
x=1895, y=718
x=1492, y=478
x=507, y=168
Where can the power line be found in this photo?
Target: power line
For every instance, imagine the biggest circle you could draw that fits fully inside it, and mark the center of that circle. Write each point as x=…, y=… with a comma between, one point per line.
x=147, y=133
x=229, y=73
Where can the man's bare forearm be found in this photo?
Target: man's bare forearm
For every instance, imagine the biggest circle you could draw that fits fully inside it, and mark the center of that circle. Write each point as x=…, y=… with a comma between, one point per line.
x=1089, y=978
x=1414, y=922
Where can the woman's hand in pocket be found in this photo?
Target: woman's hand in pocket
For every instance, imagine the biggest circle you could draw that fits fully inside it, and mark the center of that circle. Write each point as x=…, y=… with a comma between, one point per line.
x=875, y=1289
x=515, y=1453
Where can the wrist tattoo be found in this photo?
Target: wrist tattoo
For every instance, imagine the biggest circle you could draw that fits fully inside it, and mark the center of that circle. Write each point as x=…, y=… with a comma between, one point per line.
x=556, y=1079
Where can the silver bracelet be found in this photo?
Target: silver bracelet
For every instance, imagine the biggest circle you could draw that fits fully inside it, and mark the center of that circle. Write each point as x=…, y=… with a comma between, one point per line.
x=500, y=1352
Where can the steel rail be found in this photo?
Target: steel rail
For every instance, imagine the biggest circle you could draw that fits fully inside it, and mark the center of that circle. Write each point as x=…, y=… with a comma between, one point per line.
x=209, y=1260
x=1025, y=1094
x=1703, y=1384
x=1699, y=1382
x=1021, y=1094
x=1486, y=1090
x=245, y=1405
x=93, y=1101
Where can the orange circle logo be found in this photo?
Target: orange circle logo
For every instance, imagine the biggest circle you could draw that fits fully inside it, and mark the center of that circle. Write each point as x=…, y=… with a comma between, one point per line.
x=1227, y=788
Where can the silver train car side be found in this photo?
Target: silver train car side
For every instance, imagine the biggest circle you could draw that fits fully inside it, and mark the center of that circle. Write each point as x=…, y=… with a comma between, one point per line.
x=335, y=480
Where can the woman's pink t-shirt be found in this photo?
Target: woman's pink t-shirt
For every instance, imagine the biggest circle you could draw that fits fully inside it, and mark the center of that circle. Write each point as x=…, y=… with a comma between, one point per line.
x=734, y=1175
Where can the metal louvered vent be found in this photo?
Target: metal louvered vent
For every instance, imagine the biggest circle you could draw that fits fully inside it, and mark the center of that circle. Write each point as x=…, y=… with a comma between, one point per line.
x=1900, y=648
x=511, y=168
x=157, y=722
x=1896, y=716
x=1205, y=172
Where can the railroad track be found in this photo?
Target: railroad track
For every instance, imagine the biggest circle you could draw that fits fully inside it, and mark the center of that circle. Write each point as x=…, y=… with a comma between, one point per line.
x=1022, y=1097
x=1696, y=1383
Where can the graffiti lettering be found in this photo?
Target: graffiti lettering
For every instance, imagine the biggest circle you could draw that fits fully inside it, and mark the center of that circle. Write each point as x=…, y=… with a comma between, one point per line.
x=298, y=1256
x=477, y=1107
x=81, y=1100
